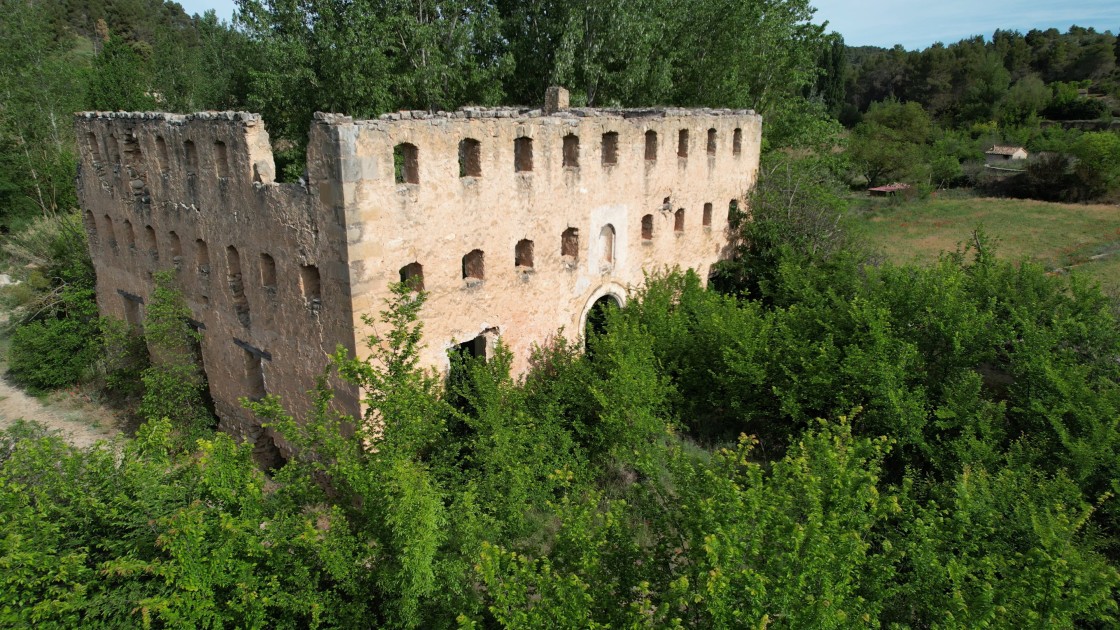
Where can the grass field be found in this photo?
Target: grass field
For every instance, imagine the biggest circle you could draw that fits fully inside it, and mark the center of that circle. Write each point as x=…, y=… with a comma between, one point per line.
x=1053, y=234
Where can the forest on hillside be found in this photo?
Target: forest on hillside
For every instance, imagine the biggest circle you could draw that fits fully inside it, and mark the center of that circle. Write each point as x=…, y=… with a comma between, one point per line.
x=815, y=439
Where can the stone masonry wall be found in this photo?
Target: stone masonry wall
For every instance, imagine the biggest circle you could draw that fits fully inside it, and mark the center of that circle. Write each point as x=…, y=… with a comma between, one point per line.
x=555, y=211
x=196, y=193
x=449, y=212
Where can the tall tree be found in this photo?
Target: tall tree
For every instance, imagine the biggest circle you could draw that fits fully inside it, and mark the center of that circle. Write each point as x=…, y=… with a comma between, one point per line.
x=42, y=82
x=120, y=79
x=606, y=53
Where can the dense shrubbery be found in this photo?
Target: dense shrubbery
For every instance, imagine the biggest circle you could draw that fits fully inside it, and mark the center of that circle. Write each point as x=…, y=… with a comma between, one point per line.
x=55, y=337
x=963, y=474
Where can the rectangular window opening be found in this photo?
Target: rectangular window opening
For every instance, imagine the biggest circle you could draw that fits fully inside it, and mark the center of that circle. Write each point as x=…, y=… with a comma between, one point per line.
x=221, y=159
x=176, y=250
x=309, y=284
x=651, y=146
x=132, y=314
x=254, y=376
x=571, y=151
x=569, y=244
x=162, y=157
x=523, y=254
x=682, y=143
x=412, y=274
x=610, y=148
x=523, y=155
x=707, y=215
x=473, y=266
x=406, y=163
x=470, y=158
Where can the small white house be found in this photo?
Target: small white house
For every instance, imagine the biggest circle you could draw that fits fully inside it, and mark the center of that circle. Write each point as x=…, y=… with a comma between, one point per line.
x=998, y=154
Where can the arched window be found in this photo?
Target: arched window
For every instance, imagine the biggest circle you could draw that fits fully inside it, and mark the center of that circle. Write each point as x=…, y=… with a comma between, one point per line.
x=606, y=243
x=711, y=142
x=268, y=272
x=678, y=220
x=221, y=159
x=523, y=155
x=707, y=215
x=406, y=163
x=91, y=225
x=647, y=227
x=162, y=158
x=237, y=286
x=192, y=158
x=682, y=143
x=470, y=158
x=737, y=142
x=523, y=254
x=94, y=148
x=473, y=268
x=202, y=257
x=114, y=150
x=412, y=274
x=129, y=235
x=110, y=237
x=150, y=241
x=176, y=249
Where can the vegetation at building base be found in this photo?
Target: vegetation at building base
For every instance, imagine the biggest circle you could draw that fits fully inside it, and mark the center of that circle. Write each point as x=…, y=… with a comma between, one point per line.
x=679, y=474
x=826, y=442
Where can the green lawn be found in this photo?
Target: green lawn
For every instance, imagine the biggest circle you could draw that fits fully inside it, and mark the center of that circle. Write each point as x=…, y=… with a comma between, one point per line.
x=1054, y=234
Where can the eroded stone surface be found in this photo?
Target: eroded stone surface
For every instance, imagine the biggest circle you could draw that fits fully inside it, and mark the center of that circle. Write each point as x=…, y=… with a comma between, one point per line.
x=279, y=275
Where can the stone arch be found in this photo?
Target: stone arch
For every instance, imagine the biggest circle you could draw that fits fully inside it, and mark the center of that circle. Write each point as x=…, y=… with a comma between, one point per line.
x=607, y=293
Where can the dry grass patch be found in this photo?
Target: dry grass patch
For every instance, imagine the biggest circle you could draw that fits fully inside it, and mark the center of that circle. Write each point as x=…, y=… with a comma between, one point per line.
x=1056, y=235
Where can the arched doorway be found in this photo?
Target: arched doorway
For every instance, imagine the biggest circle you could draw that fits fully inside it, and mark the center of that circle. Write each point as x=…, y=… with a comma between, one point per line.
x=596, y=319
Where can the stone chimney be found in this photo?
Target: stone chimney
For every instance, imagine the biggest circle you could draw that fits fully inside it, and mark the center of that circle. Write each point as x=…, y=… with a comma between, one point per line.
x=555, y=99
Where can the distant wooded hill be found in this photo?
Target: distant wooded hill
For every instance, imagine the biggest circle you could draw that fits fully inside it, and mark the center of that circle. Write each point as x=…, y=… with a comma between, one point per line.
x=1009, y=77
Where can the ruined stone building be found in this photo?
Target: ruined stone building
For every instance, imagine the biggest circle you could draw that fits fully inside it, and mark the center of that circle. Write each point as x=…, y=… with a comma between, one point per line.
x=517, y=222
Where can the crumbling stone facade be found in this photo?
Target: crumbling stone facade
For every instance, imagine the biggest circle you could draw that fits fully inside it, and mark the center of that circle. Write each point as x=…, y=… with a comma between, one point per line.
x=515, y=221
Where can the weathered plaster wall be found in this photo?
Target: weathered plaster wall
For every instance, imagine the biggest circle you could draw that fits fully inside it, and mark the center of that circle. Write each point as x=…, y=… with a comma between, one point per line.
x=209, y=177
x=443, y=216
x=137, y=171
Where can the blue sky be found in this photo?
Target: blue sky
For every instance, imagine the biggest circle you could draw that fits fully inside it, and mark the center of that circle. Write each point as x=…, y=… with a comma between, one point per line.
x=913, y=23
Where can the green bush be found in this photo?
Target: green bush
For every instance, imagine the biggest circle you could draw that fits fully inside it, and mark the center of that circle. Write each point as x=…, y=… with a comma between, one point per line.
x=57, y=351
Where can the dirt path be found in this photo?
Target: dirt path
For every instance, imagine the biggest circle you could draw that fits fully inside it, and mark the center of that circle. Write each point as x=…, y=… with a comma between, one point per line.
x=79, y=421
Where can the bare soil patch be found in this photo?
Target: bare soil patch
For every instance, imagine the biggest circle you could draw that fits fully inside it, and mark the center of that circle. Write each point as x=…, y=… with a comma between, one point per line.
x=76, y=418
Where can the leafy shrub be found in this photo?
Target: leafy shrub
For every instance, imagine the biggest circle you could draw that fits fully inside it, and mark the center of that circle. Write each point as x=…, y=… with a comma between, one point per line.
x=50, y=353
